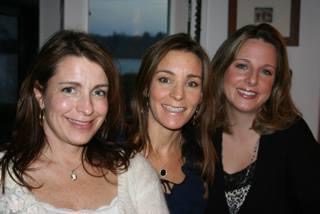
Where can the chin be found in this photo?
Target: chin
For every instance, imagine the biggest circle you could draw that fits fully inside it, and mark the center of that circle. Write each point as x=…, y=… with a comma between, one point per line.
x=174, y=126
x=81, y=140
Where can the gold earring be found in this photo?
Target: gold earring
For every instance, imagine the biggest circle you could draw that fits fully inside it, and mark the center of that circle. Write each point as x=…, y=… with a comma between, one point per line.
x=41, y=116
x=195, y=116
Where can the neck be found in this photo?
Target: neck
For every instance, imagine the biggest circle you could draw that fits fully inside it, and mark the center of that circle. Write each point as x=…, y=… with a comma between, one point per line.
x=165, y=142
x=67, y=156
x=241, y=120
x=241, y=126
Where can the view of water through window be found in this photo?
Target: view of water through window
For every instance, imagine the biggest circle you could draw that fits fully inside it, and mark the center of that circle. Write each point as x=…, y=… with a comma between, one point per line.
x=127, y=28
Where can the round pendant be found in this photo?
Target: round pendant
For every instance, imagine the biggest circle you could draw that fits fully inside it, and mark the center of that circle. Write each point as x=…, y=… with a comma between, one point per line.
x=73, y=176
x=163, y=172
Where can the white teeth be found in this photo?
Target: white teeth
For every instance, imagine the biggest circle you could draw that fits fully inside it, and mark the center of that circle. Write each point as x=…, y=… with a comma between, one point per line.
x=79, y=122
x=174, y=109
x=248, y=93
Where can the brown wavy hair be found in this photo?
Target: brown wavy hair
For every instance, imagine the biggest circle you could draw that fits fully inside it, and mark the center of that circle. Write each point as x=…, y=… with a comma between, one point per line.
x=29, y=138
x=279, y=110
x=201, y=147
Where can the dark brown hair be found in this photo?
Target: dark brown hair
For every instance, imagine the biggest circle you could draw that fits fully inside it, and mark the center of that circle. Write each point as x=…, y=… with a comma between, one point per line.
x=279, y=110
x=29, y=138
x=201, y=147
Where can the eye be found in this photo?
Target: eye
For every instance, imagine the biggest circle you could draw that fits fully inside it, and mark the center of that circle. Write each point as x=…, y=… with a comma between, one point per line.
x=266, y=72
x=193, y=84
x=100, y=93
x=68, y=90
x=163, y=80
x=241, y=66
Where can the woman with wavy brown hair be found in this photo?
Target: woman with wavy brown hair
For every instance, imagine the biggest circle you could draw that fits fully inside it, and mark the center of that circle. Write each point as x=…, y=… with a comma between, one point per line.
x=63, y=157
x=268, y=159
x=171, y=117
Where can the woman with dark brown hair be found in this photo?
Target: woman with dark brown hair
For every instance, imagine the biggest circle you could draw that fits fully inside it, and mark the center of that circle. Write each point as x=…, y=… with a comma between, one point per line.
x=171, y=116
x=63, y=157
x=268, y=159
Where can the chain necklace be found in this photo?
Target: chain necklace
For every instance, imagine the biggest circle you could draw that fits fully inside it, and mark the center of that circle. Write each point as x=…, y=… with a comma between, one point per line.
x=163, y=172
x=255, y=152
x=74, y=175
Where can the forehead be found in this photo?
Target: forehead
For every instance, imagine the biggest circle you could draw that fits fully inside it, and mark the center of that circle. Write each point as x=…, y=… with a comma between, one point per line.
x=79, y=69
x=258, y=49
x=256, y=45
x=180, y=60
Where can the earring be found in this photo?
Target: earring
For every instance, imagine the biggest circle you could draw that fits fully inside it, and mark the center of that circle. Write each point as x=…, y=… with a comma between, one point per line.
x=195, y=116
x=41, y=116
x=146, y=101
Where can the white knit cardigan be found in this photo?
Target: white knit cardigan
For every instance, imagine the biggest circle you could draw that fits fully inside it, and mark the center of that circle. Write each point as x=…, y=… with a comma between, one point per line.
x=139, y=191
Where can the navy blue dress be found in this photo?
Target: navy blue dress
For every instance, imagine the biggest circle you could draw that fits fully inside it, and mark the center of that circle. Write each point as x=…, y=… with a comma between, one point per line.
x=188, y=196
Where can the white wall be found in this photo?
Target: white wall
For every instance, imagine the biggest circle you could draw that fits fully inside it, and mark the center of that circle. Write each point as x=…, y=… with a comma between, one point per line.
x=305, y=63
x=54, y=16
x=49, y=19
x=76, y=14
x=178, y=16
x=304, y=59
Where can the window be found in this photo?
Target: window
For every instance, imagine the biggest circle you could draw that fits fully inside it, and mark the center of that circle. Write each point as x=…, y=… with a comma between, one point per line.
x=9, y=72
x=18, y=45
x=127, y=28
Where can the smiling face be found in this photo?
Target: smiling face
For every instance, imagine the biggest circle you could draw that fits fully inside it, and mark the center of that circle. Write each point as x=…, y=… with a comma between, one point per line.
x=75, y=101
x=175, y=90
x=249, y=79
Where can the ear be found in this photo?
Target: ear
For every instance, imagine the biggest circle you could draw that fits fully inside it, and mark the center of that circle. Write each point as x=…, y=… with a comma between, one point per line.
x=38, y=93
x=146, y=93
x=201, y=97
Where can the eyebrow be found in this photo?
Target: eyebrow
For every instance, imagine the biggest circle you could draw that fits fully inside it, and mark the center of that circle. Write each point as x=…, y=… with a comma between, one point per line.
x=172, y=73
x=78, y=84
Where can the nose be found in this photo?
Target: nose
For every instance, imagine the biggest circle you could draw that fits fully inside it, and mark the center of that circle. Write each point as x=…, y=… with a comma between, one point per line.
x=85, y=105
x=177, y=92
x=252, y=78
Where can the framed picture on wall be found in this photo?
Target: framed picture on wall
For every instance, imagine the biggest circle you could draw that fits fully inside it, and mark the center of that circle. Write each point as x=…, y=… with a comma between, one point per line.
x=283, y=15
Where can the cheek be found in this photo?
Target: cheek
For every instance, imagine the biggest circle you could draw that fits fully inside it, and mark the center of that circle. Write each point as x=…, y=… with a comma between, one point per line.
x=59, y=104
x=157, y=93
x=227, y=86
x=102, y=107
x=227, y=80
x=195, y=97
x=268, y=86
x=230, y=77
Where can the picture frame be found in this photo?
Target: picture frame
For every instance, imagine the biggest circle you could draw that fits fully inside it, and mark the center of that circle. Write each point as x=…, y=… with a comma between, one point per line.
x=283, y=15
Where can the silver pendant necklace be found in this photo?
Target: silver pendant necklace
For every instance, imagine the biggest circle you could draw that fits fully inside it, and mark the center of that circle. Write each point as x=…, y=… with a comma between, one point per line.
x=74, y=175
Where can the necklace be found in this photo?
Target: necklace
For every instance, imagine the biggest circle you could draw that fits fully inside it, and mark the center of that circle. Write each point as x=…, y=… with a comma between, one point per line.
x=255, y=152
x=163, y=173
x=74, y=175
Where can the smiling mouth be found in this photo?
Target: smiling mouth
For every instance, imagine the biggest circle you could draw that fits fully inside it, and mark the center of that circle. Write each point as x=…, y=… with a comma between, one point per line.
x=247, y=92
x=79, y=123
x=174, y=109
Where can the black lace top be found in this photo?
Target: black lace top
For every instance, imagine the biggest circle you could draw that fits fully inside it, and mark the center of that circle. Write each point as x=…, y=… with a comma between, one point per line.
x=237, y=186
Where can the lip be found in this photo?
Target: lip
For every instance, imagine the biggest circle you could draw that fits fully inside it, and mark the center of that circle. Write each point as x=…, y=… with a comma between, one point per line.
x=81, y=124
x=245, y=93
x=173, y=109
